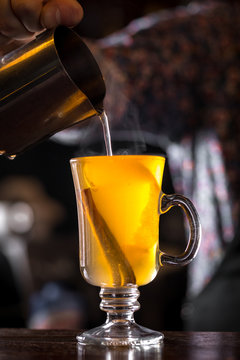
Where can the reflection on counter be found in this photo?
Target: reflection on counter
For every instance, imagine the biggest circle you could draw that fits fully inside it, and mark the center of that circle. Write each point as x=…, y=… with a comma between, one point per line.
x=120, y=353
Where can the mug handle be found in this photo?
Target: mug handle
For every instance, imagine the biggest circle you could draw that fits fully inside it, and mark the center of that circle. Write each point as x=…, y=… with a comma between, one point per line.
x=166, y=202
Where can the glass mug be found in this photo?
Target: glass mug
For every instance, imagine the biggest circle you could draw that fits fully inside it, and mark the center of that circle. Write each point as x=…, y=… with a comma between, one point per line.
x=119, y=201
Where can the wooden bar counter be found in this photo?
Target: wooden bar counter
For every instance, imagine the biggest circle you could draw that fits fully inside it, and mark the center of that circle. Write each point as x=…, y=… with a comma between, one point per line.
x=23, y=344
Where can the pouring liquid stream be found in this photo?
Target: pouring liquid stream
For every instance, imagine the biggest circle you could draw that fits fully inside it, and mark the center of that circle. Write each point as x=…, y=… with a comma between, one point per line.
x=106, y=133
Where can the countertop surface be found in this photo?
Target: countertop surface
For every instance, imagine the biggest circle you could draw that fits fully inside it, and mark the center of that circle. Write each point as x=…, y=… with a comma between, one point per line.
x=61, y=344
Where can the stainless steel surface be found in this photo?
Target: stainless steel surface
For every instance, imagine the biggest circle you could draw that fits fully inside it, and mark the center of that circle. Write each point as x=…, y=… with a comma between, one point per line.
x=47, y=85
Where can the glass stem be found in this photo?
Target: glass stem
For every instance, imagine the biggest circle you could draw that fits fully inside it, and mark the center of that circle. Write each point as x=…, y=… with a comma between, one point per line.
x=120, y=329
x=120, y=303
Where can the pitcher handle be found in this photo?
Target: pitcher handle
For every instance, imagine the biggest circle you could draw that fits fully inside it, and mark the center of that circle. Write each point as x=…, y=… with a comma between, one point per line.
x=166, y=202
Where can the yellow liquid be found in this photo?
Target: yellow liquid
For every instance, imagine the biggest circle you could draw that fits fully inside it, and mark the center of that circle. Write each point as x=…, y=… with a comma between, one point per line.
x=118, y=217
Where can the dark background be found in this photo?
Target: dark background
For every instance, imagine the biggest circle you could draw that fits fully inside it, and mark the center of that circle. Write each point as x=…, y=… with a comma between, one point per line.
x=103, y=17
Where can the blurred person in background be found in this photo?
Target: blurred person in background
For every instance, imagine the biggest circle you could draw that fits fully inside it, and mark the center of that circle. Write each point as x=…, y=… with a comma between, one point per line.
x=176, y=75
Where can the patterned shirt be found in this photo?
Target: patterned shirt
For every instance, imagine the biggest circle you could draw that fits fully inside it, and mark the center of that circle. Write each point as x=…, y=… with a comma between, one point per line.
x=173, y=79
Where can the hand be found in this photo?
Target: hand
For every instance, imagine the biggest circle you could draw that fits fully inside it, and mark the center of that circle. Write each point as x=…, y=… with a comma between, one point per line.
x=21, y=19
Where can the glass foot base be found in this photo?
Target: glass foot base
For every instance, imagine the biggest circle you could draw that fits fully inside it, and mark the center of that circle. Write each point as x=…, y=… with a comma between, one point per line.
x=120, y=333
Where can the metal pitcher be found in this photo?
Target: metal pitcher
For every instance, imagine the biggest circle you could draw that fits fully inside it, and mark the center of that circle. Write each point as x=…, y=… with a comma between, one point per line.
x=47, y=85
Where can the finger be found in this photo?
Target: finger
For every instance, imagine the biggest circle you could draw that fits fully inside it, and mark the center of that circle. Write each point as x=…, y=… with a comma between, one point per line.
x=28, y=12
x=64, y=12
x=10, y=26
